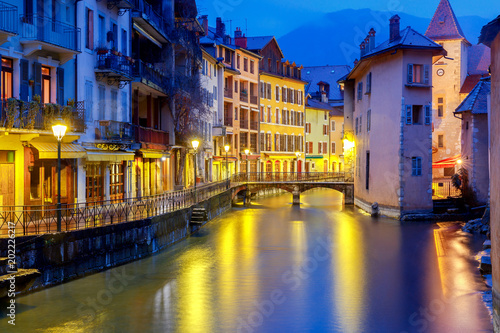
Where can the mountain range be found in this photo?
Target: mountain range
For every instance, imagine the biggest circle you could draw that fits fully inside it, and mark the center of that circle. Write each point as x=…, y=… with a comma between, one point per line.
x=334, y=38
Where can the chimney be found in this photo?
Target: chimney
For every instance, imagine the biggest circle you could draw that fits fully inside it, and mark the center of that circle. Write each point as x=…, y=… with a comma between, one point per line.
x=362, y=49
x=394, y=28
x=220, y=28
x=240, y=39
x=367, y=45
x=204, y=24
x=356, y=62
x=371, y=35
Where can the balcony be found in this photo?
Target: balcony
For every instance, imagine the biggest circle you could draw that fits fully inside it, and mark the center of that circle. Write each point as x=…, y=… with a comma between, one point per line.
x=113, y=131
x=120, y=4
x=244, y=97
x=8, y=21
x=40, y=33
x=112, y=66
x=150, y=76
x=152, y=136
x=243, y=123
x=219, y=130
x=228, y=93
x=42, y=119
x=147, y=19
x=254, y=100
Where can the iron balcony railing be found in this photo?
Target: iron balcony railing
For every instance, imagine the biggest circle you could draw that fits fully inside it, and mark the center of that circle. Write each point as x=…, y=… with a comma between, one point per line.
x=254, y=125
x=228, y=120
x=8, y=18
x=34, y=220
x=244, y=97
x=151, y=135
x=150, y=73
x=254, y=100
x=243, y=123
x=48, y=30
x=278, y=177
x=444, y=188
x=154, y=18
x=228, y=93
x=42, y=119
x=115, y=131
x=107, y=60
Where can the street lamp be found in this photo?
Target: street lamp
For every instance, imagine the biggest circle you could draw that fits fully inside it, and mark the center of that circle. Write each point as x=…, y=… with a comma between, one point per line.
x=59, y=130
x=195, y=144
x=226, y=148
x=247, y=151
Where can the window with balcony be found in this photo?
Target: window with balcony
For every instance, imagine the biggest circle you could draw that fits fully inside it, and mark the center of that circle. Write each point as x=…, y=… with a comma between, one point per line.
x=116, y=181
x=45, y=84
x=7, y=81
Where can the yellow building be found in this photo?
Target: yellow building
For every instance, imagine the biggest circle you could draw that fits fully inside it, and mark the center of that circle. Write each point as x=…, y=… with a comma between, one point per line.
x=317, y=136
x=281, y=108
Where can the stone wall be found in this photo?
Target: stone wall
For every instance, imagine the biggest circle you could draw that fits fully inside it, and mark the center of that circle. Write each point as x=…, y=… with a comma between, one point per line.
x=65, y=256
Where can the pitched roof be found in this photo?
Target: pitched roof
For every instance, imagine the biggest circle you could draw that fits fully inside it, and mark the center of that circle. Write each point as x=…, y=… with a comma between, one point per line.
x=444, y=24
x=256, y=44
x=470, y=82
x=329, y=74
x=479, y=59
x=489, y=32
x=315, y=104
x=477, y=100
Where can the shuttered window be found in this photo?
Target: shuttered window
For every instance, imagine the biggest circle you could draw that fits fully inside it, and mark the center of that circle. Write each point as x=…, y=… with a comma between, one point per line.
x=60, y=86
x=418, y=74
x=24, y=88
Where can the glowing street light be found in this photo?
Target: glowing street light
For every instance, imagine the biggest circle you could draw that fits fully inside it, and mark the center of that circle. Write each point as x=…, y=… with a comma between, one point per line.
x=348, y=145
x=59, y=129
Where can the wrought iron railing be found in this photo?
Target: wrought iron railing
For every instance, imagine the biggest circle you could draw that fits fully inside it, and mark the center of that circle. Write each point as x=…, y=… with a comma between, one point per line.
x=8, y=18
x=157, y=20
x=228, y=93
x=244, y=98
x=42, y=120
x=116, y=131
x=150, y=73
x=151, y=135
x=48, y=30
x=243, y=123
x=254, y=125
x=292, y=177
x=444, y=189
x=228, y=120
x=107, y=60
x=254, y=100
x=32, y=220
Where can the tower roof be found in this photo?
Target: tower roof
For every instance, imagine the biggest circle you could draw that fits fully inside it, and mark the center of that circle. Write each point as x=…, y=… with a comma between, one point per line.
x=444, y=24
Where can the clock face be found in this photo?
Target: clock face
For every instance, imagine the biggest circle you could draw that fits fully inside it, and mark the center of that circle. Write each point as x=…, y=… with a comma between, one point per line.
x=440, y=72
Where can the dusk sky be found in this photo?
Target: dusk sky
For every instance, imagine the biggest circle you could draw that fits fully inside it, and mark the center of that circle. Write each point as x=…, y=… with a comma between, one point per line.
x=277, y=17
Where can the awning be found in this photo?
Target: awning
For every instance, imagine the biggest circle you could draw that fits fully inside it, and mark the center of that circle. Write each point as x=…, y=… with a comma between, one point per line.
x=223, y=158
x=310, y=157
x=449, y=162
x=48, y=150
x=280, y=155
x=153, y=154
x=108, y=156
x=249, y=157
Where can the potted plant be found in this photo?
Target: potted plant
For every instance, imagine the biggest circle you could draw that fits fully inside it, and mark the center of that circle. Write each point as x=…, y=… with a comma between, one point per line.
x=67, y=112
x=12, y=105
x=101, y=50
x=33, y=108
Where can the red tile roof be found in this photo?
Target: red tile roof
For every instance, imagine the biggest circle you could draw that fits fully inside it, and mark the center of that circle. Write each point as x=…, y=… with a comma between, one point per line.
x=444, y=24
x=470, y=82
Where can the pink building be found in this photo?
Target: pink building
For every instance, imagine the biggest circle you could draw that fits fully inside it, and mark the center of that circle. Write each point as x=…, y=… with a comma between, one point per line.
x=490, y=36
x=474, y=111
x=388, y=118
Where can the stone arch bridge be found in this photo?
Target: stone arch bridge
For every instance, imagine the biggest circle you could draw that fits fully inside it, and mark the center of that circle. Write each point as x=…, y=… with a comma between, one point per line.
x=294, y=182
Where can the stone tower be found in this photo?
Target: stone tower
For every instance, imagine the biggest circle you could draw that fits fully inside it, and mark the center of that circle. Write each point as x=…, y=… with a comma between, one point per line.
x=448, y=76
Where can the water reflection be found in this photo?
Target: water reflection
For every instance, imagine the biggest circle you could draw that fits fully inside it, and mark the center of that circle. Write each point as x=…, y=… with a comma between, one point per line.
x=321, y=267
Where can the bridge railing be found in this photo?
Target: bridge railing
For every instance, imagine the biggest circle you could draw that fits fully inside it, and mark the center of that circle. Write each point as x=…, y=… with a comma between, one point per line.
x=292, y=177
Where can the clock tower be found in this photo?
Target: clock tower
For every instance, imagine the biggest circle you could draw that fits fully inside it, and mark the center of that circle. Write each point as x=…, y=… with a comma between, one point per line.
x=448, y=76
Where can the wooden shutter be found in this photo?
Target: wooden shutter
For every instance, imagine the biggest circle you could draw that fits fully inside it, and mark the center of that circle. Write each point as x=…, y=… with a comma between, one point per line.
x=269, y=91
x=410, y=73
x=24, y=88
x=426, y=74
x=277, y=93
x=409, y=114
x=427, y=114
x=325, y=147
x=37, y=69
x=60, y=86
x=369, y=83
x=283, y=94
x=91, y=29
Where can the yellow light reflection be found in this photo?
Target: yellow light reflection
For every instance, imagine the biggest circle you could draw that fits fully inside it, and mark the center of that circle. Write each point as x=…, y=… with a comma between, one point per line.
x=440, y=253
x=194, y=282
x=349, y=285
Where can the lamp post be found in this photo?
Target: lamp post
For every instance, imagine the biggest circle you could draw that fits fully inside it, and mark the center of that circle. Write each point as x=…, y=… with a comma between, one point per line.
x=59, y=129
x=195, y=144
x=226, y=148
x=247, y=151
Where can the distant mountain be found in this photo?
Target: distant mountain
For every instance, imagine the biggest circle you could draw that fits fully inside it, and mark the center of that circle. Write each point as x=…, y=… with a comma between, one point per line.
x=334, y=38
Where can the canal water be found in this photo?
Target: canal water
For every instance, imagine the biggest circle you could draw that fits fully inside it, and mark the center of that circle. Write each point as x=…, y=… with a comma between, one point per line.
x=277, y=268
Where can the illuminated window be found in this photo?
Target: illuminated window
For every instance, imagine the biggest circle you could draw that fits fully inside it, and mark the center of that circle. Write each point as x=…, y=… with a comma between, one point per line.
x=7, y=83
x=45, y=84
x=440, y=107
